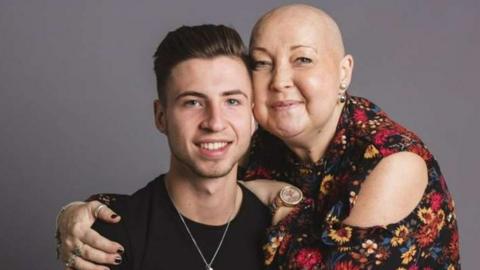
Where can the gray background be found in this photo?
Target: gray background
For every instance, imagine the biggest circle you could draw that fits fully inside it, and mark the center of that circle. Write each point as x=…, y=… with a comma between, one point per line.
x=76, y=91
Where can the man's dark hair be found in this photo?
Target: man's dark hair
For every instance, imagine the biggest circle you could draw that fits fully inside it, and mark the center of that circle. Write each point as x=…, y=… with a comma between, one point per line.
x=187, y=42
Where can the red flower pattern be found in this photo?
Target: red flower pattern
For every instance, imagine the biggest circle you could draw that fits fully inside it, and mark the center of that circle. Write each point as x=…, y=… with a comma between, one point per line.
x=435, y=201
x=346, y=266
x=360, y=116
x=308, y=258
x=381, y=136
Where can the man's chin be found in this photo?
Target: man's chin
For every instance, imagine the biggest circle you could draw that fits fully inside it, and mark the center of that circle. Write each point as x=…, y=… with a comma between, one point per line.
x=212, y=173
x=206, y=169
x=215, y=170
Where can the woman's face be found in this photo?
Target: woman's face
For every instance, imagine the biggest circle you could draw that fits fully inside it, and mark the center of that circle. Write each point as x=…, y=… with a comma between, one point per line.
x=296, y=78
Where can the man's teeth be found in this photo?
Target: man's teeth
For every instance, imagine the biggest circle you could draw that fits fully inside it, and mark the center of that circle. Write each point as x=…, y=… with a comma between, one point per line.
x=213, y=146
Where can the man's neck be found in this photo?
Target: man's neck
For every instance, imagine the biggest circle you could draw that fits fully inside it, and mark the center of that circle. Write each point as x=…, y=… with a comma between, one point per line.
x=205, y=200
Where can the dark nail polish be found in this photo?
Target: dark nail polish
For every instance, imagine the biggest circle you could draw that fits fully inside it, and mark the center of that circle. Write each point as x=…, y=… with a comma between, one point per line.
x=114, y=216
x=120, y=251
x=118, y=260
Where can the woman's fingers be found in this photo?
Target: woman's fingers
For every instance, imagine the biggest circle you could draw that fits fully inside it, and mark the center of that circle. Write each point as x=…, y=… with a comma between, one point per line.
x=96, y=241
x=103, y=212
x=78, y=263
x=97, y=256
x=93, y=249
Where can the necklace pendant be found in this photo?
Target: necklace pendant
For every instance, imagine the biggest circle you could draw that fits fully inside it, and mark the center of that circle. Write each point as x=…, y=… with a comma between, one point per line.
x=209, y=267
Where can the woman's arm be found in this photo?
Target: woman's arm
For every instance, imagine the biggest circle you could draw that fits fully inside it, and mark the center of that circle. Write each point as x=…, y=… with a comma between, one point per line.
x=267, y=191
x=390, y=192
x=74, y=231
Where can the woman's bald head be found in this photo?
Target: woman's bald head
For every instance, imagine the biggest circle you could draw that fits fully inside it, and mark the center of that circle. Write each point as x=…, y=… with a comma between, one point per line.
x=292, y=17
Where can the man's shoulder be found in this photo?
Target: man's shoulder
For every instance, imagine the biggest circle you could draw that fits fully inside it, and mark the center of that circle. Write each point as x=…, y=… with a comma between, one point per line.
x=143, y=199
x=152, y=187
x=135, y=211
x=253, y=209
x=118, y=202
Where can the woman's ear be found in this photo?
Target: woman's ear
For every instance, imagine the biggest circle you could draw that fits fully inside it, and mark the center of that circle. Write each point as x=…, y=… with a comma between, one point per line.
x=346, y=69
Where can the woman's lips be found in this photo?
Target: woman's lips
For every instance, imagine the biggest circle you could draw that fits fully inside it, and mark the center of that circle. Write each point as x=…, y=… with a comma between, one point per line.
x=285, y=104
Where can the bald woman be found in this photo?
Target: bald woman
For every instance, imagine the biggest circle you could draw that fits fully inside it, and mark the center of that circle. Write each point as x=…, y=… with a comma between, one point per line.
x=375, y=197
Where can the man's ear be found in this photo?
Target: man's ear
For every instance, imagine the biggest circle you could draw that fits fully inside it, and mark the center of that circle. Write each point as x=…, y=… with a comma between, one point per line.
x=253, y=125
x=160, y=116
x=346, y=69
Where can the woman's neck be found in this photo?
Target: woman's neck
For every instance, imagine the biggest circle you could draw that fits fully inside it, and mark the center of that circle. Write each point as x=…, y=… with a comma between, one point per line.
x=311, y=146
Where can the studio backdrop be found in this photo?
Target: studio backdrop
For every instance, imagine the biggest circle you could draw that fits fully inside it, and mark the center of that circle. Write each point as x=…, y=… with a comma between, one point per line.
x=77, y=91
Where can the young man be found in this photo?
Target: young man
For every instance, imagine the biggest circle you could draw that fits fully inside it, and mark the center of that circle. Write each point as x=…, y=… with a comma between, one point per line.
x=196, y=215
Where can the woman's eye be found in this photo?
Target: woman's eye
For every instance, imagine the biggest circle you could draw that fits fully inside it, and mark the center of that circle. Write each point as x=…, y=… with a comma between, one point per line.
x=260, y=65
x=303, y=60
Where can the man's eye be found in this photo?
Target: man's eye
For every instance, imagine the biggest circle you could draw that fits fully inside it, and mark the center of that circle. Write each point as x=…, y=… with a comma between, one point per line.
x=191, y=103
x=232, y=101
x=303, y=60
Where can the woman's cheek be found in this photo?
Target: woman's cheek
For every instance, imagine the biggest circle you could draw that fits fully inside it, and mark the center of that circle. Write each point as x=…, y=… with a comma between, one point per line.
x=310, y=85
x=260, y=82
x=260, y=114
x=260, y=102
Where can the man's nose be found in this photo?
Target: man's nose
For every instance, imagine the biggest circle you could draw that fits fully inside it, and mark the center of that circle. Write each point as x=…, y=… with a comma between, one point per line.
x=214, y=119
x=282, y=78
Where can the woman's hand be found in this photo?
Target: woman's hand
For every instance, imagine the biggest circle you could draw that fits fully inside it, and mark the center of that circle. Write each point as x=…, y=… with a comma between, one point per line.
x=267, y=191
x=81, y=247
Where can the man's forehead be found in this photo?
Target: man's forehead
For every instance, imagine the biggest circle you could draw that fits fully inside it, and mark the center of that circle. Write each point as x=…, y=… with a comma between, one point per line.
x=198, y=65
x=209, y=78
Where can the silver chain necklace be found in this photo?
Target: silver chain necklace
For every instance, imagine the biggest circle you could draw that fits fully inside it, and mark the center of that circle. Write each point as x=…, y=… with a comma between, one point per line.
x=208, y=265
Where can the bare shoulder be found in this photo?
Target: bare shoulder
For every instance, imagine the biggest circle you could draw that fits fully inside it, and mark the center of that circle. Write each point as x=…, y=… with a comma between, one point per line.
x=391, y=191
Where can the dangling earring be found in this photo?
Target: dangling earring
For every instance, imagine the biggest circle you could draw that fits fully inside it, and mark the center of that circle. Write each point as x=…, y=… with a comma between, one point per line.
x=341, y=95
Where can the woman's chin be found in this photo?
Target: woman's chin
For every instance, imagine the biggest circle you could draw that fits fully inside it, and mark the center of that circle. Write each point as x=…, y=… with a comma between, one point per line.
x=286, y=132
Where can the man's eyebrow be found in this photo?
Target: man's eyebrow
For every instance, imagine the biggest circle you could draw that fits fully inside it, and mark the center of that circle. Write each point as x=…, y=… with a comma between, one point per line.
x=190, y=93
x=234, y=92
x=201, y=95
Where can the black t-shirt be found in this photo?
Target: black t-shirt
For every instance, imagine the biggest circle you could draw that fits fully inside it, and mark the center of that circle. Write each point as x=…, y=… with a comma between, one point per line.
x=155, y=238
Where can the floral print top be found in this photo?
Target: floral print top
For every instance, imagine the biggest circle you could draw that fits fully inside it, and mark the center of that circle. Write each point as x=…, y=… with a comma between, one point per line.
x=312, y=236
